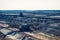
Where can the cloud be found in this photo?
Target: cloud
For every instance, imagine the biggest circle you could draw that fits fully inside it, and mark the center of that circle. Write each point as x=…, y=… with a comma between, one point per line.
x=29, y=4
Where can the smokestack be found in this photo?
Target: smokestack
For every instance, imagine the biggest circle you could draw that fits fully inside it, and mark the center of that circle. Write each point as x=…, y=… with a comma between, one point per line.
x=21, y=14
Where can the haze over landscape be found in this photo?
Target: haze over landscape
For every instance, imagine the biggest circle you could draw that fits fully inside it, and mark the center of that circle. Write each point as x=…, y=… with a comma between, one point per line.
x=27, y=24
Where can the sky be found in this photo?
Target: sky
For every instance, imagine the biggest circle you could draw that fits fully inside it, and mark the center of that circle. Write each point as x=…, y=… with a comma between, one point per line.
x=29, y=4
